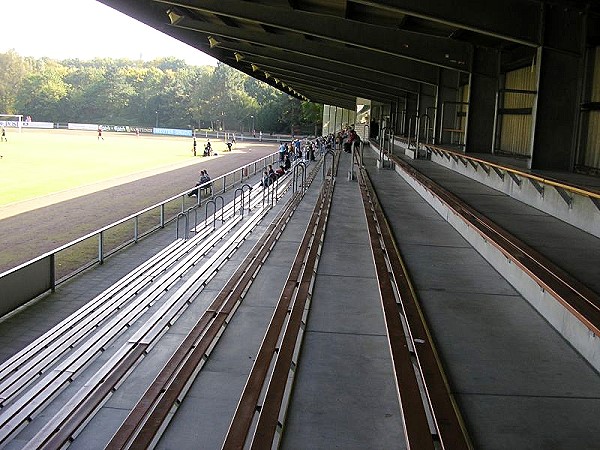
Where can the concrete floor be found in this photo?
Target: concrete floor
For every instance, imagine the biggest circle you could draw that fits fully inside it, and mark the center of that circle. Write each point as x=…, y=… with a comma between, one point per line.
x=518, y=383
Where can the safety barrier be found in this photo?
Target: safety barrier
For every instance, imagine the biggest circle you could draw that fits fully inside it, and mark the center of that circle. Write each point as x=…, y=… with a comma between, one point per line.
x=40, y=275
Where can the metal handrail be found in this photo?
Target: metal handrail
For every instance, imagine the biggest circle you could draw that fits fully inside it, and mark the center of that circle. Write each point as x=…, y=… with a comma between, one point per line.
x=442, y=116
x=235, y=196
x=295, y=175
x=416, y=130
x=44, y=266
x=248, y=188
x=332, y=154
x=426, y=125
x=554, y=183
x=214, y=202
x=434, y=121
x=242, y=193
x=185, y=227
x=403, y=122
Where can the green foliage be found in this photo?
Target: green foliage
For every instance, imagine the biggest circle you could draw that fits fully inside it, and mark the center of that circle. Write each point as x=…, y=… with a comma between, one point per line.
x=137, y=93
x=13, y=69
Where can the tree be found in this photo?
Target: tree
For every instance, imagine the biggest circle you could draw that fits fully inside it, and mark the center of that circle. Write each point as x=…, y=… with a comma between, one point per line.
x=311, y=117
x=42, y=92
x=13, y=70
x=229, y=103
x=137, y=93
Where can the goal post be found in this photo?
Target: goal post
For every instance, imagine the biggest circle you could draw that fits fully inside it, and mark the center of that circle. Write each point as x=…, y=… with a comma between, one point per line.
x=11, y=121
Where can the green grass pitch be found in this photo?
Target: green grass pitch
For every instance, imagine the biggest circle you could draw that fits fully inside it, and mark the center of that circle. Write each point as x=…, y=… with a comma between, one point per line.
x=40, y=162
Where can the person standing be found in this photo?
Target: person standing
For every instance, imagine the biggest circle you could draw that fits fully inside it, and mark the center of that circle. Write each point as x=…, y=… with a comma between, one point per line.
x=194, y=146
x=282, y=151
x=100, y=133
x=3, y=135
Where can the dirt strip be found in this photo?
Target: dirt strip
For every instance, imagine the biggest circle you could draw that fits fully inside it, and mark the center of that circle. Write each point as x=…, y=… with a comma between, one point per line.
x=48, y=222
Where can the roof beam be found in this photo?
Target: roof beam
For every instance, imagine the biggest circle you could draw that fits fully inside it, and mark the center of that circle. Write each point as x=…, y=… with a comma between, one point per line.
x=350, y=58
x=326, y=70
x=333, y=96
x=512, y=20
x=301, y=79
x=289, y=73
x=442, y=52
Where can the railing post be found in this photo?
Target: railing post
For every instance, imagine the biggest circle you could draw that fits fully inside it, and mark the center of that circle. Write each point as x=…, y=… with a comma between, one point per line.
x=440, y=141
x=162, y=215
x=101, y=247
x=219, y=197
x=244, y=186
x=235, y=196
x=328, y=152
x=210, y=202
x=177, y=224
x=135, y=229
x=361, y=147
x=53, y=272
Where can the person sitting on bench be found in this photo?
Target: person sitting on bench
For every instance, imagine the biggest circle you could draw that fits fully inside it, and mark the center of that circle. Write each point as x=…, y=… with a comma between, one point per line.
x=204, y=178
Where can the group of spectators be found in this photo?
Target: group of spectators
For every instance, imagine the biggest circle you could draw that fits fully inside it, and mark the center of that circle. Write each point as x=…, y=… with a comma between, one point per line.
x=270, y=175
x=347, y=138
x=297, y=149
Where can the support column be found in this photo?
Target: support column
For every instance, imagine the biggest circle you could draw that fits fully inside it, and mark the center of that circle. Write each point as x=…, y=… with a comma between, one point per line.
x=483, y=87
x=427, y=112
x=560, y=63
x=447, y=92
x=412, y=103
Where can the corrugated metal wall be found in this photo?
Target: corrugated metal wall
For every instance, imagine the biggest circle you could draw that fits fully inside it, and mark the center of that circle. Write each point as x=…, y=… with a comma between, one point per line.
x=592, y=148
x=326, y=120
x=461, y=115
x=515, y=129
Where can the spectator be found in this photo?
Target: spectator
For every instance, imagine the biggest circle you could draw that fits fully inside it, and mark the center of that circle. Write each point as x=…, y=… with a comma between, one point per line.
x=282, y=151
x=287, y=163
x=204, y=178
x=272, y=174
x=266, y=181
x=297, y=145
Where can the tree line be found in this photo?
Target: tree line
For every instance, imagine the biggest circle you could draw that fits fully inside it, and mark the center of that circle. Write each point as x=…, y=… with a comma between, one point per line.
x=164, y=92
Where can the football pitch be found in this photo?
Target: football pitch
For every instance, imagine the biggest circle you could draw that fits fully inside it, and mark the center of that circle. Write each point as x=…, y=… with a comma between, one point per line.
x=36, y=163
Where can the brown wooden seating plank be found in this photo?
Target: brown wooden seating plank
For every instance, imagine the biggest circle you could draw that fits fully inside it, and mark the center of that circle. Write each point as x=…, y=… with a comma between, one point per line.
x=449, y=424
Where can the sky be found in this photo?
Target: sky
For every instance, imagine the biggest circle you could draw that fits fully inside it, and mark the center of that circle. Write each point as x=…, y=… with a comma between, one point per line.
x=85, y=29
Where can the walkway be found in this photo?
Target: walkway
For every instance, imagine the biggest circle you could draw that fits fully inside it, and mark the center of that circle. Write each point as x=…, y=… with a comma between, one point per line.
x=517, y=382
